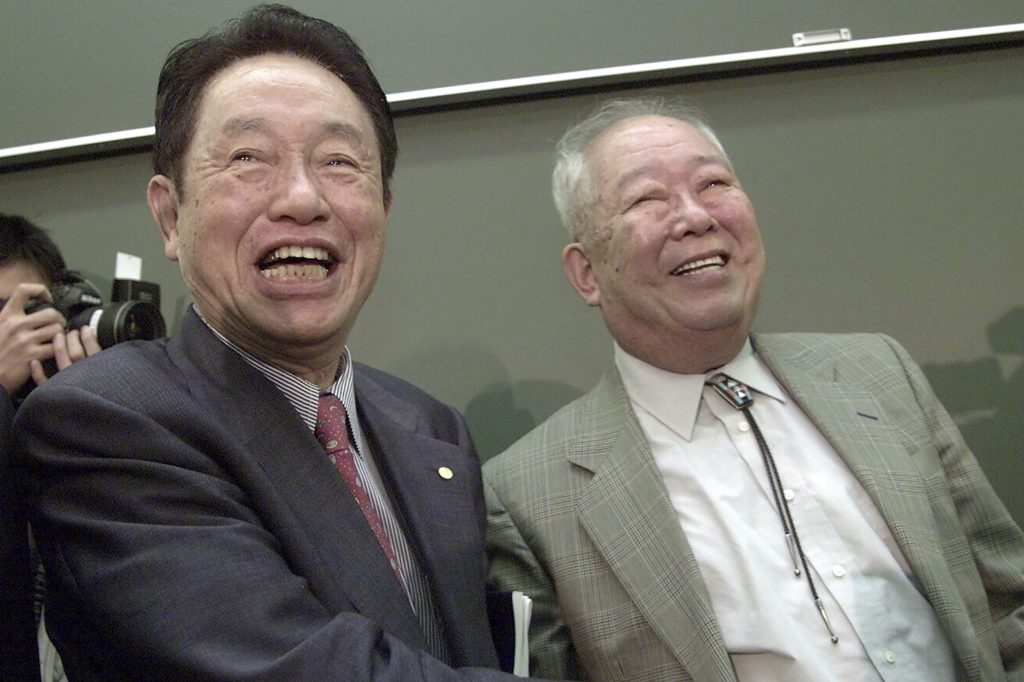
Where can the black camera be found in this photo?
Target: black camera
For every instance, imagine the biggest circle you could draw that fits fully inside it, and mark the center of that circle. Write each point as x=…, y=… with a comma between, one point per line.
x=134, y=312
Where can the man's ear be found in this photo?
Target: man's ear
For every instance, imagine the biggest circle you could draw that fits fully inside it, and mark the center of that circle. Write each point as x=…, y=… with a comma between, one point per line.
x=578, y=270
x=162, y=197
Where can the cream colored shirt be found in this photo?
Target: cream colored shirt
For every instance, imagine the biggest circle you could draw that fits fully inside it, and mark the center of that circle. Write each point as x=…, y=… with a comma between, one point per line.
x=716, y=479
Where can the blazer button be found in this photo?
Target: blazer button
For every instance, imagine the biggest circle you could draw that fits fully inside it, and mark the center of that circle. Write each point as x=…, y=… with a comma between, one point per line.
x=445, y=473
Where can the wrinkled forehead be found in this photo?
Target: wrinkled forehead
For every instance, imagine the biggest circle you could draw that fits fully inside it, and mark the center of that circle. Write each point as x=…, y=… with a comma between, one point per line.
x=644, y=137
x=645, y=145
x=247, y=96
x=254, y=81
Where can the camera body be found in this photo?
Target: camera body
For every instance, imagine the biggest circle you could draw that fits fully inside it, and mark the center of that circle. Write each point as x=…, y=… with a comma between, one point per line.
x=134, y=312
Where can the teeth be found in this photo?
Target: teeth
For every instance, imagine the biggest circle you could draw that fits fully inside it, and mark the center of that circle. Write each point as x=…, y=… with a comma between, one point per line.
x=307, y=252
x=703, y=263
x=308, y=271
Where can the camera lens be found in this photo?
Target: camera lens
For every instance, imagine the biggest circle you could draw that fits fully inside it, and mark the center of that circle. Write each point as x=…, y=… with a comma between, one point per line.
x=129, y=321
x=136, y=319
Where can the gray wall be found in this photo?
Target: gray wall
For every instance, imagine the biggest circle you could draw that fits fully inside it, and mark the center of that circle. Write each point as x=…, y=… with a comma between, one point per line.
x=80, y=67
x=889, y=194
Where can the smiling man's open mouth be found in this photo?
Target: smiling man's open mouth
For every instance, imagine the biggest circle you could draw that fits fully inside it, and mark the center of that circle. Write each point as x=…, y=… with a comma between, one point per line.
x=701, y=265
x=300, y=262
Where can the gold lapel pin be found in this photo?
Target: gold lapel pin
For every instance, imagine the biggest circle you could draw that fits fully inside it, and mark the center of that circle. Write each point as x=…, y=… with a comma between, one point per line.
x=445, y=473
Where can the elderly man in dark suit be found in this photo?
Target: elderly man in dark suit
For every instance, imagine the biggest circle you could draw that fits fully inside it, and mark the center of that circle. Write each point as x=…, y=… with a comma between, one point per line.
x=726, y=505
x=192, y=525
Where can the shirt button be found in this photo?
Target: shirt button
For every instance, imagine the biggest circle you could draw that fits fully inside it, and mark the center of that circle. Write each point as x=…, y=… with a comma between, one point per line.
x=743, y=426
x=839, y=571
x=788, y=494
x=889, y=656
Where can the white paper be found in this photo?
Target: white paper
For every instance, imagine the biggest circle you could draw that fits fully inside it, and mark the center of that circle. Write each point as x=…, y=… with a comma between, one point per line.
x=128, y=266
x=522, y=609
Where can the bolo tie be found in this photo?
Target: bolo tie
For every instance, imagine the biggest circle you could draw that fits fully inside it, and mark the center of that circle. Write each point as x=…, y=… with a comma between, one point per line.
x=741, y=398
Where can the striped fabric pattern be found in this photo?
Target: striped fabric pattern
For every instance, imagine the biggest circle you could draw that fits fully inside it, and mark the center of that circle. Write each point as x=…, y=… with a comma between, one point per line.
x=305, y=397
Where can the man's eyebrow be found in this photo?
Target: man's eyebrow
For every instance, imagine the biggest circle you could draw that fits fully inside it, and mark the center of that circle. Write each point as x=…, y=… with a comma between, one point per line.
x=237, y=125
x=351, y=133
x=699, y=161
x=713, y=160
x=346, y=130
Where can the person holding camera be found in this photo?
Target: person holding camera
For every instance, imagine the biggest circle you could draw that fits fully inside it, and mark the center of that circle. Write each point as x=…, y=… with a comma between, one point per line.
x=30, y=264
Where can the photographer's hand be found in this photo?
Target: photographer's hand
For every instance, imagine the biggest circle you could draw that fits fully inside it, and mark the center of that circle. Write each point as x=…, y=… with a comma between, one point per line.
x=26, y=339
x=68, y=348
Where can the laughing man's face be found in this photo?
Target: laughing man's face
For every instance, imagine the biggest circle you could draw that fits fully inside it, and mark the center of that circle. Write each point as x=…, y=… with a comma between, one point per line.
x=279, y=225
x=674, y=256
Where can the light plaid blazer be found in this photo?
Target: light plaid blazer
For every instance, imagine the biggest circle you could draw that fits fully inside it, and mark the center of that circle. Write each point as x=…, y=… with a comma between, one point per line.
x=580, y=520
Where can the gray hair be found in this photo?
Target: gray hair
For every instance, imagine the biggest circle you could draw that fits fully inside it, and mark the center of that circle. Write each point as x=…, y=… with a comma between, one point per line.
x=571, y=183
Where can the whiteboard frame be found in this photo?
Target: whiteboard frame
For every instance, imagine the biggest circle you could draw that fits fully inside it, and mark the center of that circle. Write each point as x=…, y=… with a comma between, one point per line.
x=556, y=84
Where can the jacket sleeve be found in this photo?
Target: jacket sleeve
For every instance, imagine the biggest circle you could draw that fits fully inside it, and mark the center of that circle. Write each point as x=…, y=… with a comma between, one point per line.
x=996, y=541
x=19, y=653
x=161, y=565
x=515, y=567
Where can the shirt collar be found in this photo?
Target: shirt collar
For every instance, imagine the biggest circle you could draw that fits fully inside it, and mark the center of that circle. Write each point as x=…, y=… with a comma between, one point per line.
x=673, y=398
x=747, y=368
x=304, y=395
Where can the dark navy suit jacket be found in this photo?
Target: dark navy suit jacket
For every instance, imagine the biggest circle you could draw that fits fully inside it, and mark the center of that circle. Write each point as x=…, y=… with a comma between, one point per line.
x=19, y=652
x=192, y=529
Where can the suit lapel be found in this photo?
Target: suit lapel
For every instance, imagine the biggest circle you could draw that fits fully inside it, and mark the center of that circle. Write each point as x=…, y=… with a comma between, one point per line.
x=626, y=511
x=434, y=512
x=351, y=572
x=859, y=428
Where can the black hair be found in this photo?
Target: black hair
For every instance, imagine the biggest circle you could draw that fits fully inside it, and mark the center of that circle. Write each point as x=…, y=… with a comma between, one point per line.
x=23, y=242
x=265, y=29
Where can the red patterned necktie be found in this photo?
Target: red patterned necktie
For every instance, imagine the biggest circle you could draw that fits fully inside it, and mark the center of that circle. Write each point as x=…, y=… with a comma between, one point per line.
x=332, y=432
